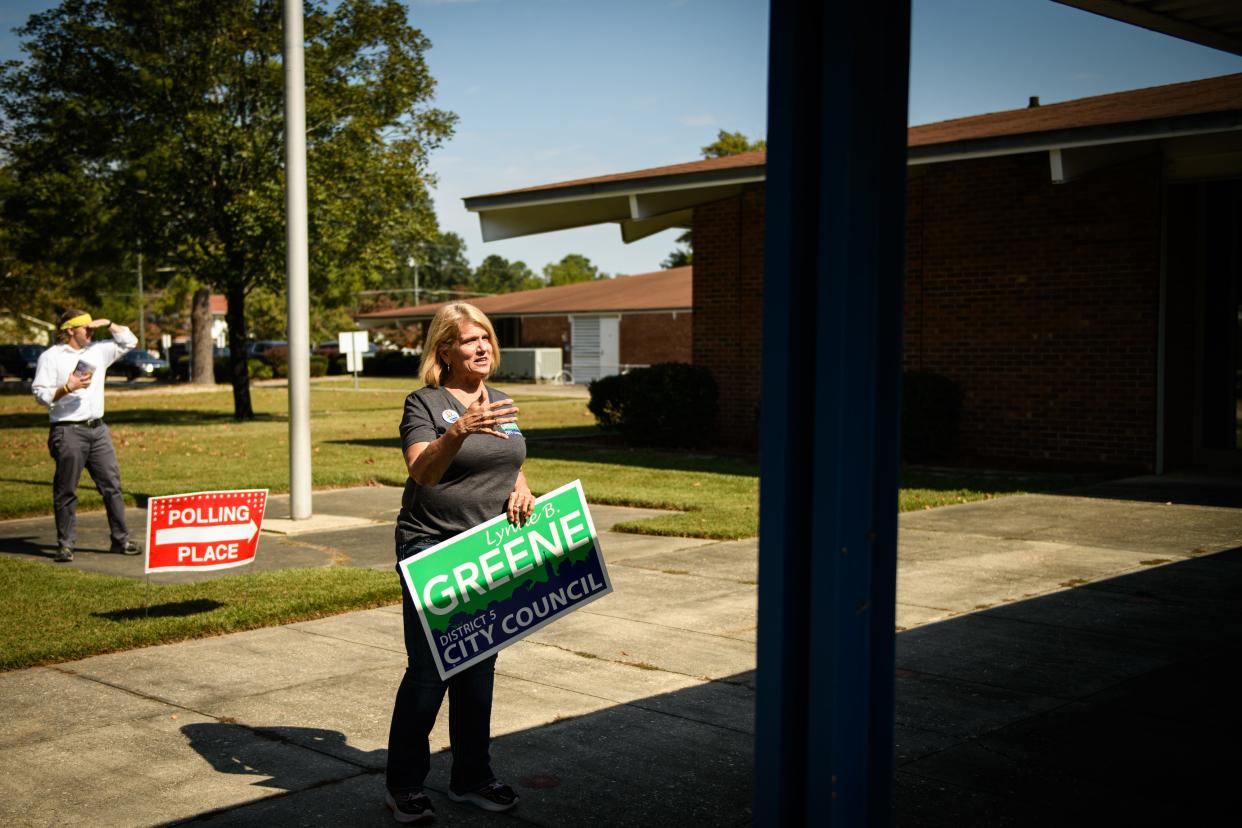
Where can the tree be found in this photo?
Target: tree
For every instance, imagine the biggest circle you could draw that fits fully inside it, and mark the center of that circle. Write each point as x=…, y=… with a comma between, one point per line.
x=161, y=122
x=443, y=268
x=496, y=274
x=681, y=256
x=573, y=268
x=52, y=260
x=203, y=351
x=726, y=143
x=732, y=143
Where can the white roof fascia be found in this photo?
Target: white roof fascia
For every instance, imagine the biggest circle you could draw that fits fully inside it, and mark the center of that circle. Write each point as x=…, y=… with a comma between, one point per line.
x=509, y=222
x=633, y=230
x=1068, y=164
x=663, y=202
x=636, y=188
x=1062, y=143
x=635, y=208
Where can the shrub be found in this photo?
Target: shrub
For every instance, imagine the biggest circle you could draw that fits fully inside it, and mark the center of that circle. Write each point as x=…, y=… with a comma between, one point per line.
x=390, y=364
x=259, y=370
x=278, y=358
x=605, y=401
x=671, y=404
x=318, y=366
x=931, y=412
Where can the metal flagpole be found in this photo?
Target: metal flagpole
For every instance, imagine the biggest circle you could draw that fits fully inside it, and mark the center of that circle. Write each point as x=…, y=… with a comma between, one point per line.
x=298, y=289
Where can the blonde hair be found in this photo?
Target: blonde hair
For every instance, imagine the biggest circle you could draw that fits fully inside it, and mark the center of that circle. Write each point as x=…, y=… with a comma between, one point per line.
x=444, y=330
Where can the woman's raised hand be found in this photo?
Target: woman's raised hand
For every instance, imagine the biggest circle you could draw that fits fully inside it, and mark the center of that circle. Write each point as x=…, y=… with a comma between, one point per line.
x=483, y=417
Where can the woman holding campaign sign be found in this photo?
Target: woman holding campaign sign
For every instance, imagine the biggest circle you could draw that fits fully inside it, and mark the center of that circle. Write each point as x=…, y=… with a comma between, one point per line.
x=464, y=454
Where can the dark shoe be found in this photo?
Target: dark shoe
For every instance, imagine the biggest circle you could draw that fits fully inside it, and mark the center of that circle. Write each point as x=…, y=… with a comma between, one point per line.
x=130, y=548
x=494, y=796
x=410, y=807
x=63, y=555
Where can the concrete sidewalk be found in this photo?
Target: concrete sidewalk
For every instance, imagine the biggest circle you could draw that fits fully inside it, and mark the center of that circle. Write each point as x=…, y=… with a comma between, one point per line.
x=1058, y=653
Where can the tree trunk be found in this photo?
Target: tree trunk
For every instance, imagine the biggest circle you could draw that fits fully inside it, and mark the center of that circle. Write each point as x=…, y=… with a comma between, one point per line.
x=201, y=343
x=239, y=371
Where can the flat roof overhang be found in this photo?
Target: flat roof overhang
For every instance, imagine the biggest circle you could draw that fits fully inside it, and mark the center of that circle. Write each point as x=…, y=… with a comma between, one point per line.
x=642, y=205
x=1214, y=23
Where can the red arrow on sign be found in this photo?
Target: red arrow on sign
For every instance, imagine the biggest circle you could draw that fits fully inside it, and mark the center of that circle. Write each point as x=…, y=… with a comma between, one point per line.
x=204, y=530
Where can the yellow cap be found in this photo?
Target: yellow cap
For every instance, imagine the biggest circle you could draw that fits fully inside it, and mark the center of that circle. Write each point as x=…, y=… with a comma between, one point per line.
x=84, y=319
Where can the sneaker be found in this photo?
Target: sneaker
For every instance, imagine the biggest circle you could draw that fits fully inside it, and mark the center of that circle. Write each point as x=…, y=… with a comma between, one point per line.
x=410, y=807
x=130, y=548
x=494, y=796
x=63, y=555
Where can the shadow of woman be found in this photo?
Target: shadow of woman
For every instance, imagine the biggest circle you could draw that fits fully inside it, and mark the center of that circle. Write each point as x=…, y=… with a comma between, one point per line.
x=288, y=758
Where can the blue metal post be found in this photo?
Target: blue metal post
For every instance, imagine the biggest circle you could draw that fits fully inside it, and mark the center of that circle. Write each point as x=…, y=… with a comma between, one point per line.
x=833, y=271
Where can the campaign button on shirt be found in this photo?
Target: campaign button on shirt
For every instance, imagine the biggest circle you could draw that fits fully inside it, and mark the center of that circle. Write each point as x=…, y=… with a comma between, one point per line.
x=450, y=416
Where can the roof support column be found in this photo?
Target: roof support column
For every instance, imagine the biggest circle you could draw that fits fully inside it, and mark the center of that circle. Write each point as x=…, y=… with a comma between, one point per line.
x=832, y=320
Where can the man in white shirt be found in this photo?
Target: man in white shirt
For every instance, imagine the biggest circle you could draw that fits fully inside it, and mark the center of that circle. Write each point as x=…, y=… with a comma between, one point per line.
x=69, y=380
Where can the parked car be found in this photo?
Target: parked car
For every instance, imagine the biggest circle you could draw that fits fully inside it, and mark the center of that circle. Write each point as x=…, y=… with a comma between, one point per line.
x=262, y=349
x=258, y=350
x=138, y=363
x=19, y=360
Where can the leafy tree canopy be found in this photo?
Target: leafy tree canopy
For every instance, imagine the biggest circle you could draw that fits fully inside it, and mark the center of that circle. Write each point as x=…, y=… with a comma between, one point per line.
x=441, y=265
x=573, y=268
x=496, y=274
x=159, y=125
x=732, y=143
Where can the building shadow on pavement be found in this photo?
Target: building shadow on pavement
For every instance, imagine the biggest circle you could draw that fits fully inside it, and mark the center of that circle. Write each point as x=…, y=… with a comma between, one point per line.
x=1106, y=704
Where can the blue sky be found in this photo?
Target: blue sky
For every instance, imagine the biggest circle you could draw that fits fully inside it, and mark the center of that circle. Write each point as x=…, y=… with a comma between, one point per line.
x=549, y=90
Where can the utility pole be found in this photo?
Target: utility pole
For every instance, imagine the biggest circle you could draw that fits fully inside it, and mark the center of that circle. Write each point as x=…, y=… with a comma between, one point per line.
x=142, y=308
x=413, y=263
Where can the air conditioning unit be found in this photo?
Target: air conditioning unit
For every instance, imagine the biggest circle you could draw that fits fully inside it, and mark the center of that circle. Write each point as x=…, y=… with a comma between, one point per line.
x=533, y=364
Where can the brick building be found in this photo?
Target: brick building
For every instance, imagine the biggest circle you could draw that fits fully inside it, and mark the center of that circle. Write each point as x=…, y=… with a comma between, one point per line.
x=1076, y=268
x=601, y=326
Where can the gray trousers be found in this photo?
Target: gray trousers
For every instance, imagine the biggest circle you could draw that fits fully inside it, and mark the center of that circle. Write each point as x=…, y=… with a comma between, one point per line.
x=76, y=447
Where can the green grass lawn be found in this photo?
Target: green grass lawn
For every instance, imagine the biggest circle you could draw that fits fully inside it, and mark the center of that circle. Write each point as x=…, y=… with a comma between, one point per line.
x=169, y=441
x=51, y=614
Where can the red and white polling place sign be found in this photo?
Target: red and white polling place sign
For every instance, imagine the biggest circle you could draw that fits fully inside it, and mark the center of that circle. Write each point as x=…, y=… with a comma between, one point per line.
x=204, y=530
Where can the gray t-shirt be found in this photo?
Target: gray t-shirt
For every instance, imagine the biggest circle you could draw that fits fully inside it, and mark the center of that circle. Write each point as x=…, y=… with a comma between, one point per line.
x=475, y=486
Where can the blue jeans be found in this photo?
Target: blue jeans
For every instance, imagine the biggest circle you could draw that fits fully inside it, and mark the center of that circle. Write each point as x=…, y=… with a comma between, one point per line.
x=418, y=702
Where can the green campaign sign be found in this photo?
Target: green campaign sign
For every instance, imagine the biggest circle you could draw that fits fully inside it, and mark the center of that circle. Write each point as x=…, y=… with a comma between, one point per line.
x=494, y=584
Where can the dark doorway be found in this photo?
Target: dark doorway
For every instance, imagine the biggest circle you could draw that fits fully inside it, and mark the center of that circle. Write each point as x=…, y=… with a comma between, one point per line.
x=1203, y=326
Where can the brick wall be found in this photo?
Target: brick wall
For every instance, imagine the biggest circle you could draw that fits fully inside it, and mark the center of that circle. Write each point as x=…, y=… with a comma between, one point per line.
x=545, y=331
x=1040, y=299
x=728, y=285
x=648, y=338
